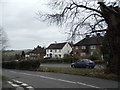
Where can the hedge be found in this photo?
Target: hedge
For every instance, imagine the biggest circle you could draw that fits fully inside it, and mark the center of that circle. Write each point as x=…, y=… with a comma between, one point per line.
x=25, y=64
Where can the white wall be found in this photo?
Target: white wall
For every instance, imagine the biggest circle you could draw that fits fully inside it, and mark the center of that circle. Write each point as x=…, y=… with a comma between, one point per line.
x=65, y=50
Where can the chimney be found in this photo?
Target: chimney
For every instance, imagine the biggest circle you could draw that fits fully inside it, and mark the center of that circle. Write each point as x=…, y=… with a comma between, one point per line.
x=55, y=42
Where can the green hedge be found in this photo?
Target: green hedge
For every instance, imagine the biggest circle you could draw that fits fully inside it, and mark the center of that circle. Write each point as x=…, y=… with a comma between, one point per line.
x=66, y=59
x=25, y=64
x=51, y=61
x=99, y=62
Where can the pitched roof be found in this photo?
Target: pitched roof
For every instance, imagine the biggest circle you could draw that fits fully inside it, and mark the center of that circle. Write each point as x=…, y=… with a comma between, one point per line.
x=96, y=40
x=56, y=46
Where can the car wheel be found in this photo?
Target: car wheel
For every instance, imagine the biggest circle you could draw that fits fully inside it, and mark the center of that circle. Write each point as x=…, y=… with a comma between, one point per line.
x=72, y=66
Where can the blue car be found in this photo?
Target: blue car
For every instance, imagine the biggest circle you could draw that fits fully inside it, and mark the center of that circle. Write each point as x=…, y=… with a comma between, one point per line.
x=83, y=63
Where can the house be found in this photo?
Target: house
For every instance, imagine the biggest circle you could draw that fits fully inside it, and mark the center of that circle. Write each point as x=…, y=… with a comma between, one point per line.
x=58, y=50
x=37, y=53
x=88, y=45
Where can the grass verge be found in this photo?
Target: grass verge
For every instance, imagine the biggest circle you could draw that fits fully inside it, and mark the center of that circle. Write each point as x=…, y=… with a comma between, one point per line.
x=99, y=73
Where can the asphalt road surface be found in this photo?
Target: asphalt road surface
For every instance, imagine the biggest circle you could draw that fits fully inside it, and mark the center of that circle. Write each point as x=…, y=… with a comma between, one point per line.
x=32, y=79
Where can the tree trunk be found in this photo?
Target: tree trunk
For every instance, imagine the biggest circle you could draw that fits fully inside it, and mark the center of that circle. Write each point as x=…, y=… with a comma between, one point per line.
x=112, y=38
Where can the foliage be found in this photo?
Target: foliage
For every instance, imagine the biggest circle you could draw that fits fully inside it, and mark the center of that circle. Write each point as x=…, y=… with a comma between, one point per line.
x=99, y=62
x=25, y=64
x=66, y=59
x=99, y=73
x=51, y=61
x=23, y=55
x=95, y=56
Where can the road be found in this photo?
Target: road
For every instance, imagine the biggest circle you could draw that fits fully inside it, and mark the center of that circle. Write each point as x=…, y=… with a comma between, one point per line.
x=69, y=65
x=34, y=79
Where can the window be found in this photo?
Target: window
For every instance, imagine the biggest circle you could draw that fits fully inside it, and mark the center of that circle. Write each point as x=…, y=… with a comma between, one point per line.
x=76, y=47
x=59, y=55
x=68, y=51
x=47, y=50
x=83, y=47
x=50, y=50
x=93, y=47
x=55, y=50
x=91, y=53
x=56, y=56
x=82, y=54
x=59, y=50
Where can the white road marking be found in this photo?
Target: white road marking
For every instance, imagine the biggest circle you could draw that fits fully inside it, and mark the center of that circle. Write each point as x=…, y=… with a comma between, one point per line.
x=17, y=81
x=23, y=84
x=88, y=85
x=16, y=86
x=66, y=81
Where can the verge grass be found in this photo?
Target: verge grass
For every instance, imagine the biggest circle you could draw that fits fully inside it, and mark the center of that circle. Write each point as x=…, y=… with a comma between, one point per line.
x=99, y=73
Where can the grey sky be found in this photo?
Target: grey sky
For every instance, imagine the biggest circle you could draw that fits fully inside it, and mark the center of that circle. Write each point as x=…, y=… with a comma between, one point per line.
x=23, y=30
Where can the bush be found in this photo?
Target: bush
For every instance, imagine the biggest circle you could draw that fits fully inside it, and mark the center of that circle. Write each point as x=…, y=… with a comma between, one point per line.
x=69, y=59
x=26, y=64
x=99, y=62
x=95, y=56
x=10, y=65
x=51, y=61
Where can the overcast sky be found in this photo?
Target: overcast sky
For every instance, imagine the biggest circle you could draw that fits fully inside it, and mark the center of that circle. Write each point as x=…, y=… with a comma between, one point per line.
x=23, y=29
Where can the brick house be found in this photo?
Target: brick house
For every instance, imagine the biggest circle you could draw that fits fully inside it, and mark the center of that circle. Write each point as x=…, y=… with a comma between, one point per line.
x=88, y=46
x=36, y=53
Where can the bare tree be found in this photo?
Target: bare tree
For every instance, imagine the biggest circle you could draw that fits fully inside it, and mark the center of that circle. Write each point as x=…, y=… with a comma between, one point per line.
x=3, y=39
x=89, y=17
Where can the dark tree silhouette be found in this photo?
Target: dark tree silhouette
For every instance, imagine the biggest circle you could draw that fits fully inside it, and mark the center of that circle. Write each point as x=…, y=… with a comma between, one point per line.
x=91, y=17
x=23, y=55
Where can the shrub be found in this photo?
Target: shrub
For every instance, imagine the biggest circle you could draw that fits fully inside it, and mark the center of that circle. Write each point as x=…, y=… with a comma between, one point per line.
x=99, y=62
x=51, y=61
x=95, y=56
x=10, y=65
x=25, y=64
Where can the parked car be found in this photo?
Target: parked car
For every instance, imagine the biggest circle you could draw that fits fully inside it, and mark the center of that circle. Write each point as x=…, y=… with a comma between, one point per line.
x=83, y=63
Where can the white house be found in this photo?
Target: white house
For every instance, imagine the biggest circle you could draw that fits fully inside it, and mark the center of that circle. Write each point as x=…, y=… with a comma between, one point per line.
x=58, y=50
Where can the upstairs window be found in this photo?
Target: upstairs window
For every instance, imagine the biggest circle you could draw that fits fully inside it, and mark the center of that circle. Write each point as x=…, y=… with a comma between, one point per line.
x=50, y=50
x=55, y=50
x=83, y=47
